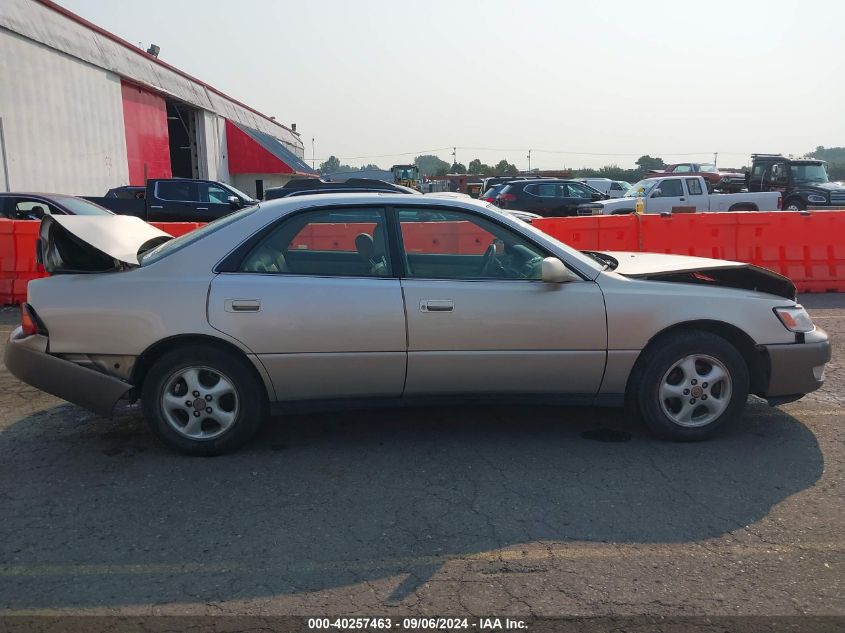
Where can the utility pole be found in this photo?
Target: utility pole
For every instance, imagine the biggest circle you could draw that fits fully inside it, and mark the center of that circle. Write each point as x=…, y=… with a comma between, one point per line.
x=312, y=153
x=529, y=161
x=454, y=155
x=715, y=159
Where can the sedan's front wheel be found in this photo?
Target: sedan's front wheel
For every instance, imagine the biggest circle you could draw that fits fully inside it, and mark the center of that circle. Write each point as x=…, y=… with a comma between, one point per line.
x=202, y=400
x=691, y=385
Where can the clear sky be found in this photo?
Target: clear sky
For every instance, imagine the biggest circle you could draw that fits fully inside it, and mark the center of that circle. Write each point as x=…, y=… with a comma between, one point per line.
x=579, y=83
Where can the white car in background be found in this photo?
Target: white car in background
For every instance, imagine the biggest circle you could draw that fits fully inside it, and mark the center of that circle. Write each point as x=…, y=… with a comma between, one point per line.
x=611, y=188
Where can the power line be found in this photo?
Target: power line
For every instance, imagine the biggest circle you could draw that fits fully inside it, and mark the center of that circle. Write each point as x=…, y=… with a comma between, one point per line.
x=454, y=148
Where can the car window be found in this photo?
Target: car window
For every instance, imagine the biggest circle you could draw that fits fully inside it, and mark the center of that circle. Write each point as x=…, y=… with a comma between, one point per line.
x=546, y=190
x=213, y=193
x=778, y=173
x=30, y=209
x=337, y=243
x=572, y=190
x=81, y=206
x=682, y=169
x=178, y=243
x=615, y=186
x=177, y=190
x=694, y=186
x=461, y=245
x=671, y=188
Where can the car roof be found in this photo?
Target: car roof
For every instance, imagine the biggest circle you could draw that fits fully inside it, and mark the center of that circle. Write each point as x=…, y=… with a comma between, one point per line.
x=545, y=181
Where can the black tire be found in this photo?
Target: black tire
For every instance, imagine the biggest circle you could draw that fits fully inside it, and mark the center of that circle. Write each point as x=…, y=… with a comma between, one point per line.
x=652, y=374
x=246, y=402
x=798, y=202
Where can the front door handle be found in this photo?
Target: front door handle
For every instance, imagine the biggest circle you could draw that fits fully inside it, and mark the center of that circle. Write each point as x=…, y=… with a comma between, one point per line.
x=242, y=305
x=437, y=305
x=683, y=199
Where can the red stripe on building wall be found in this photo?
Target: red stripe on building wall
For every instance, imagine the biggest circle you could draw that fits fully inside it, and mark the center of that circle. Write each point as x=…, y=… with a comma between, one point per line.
x=248, y=157
x=147, y=140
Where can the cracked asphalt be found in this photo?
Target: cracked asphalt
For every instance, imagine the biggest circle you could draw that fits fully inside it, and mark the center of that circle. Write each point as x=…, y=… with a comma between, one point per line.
x=462, y=511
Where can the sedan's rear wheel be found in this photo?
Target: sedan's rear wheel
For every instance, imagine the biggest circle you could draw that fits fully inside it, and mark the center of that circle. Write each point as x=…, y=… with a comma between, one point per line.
x=202, y=400
x=690, y=385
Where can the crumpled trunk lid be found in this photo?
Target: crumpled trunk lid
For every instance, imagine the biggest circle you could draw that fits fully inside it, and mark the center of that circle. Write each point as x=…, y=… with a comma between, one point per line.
x=72, y=244
x=704, y=271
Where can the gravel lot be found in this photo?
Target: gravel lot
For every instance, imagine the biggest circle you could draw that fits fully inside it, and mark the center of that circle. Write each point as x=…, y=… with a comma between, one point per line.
x=474, y=511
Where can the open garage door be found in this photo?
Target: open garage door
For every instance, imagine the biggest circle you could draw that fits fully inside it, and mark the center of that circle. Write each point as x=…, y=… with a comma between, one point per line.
x=182, y=130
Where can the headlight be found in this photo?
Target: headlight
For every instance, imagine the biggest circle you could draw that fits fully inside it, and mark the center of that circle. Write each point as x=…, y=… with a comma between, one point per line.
x=795, y=319
x=816, y=198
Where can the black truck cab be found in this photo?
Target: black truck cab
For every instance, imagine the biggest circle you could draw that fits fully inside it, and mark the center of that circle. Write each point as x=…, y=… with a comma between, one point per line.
x=175, y=200
x=803, y=181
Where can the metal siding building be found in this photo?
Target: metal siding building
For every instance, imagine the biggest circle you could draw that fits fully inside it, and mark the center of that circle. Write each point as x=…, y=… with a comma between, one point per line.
x=82, y=111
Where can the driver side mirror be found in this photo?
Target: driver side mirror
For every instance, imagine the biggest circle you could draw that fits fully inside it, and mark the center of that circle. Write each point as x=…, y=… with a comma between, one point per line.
x=656, y=193
x=556, y=272
x=234, y=202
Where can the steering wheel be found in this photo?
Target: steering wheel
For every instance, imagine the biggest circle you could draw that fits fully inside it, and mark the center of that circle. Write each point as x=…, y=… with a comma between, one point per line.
x=490, y=266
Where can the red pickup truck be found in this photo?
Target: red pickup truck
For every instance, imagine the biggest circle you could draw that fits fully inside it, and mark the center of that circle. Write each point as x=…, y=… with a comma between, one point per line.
x=727, y=181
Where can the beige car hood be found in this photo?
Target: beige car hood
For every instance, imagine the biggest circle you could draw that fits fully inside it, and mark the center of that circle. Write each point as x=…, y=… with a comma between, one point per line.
x=81, y=243
x=638, y=264
x=702, y=271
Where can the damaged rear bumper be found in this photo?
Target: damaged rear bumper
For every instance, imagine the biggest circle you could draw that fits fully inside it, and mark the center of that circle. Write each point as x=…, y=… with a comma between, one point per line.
x=796, y=369
x=26, y=358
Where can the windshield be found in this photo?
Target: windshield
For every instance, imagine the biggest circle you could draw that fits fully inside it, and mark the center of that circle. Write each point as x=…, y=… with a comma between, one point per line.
x=240, y=193
x=640, y=189
x=709, y=168
x=80, y=206
x=809, y=172
x=171, y=246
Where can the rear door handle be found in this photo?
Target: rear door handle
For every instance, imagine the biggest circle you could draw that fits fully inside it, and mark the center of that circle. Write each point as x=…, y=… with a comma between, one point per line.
x=202, y=208
x=437, y=305
x=242, y=305
x=156, y=206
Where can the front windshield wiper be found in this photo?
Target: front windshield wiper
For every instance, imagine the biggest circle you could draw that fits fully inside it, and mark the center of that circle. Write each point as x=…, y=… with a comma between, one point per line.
x=607, y=262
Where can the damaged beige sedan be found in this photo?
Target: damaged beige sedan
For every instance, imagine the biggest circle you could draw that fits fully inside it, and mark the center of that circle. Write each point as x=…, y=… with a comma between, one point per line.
x=344, y=299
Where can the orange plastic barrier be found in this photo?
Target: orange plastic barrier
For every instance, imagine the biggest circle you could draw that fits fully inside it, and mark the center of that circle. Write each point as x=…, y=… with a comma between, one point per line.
x=177, y=229
x=807, y=248
x=7, y=246
x=592, y=232
x=698, y=234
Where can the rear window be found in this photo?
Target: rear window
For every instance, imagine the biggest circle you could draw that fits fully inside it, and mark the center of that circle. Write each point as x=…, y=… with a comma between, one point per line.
x=80, y=206
x=178, y=243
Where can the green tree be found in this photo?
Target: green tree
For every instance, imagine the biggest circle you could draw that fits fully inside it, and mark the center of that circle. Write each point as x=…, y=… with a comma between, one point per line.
x=458, y=168
x=504, y=168
x=430, y=165
x=330, y=165
x=477, y=167
x=646, y=163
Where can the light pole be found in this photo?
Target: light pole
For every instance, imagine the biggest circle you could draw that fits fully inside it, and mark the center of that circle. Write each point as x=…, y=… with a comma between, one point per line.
x=529, y=161
x=312, y=153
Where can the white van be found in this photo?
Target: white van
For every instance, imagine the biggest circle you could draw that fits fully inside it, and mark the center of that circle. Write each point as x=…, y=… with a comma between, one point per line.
x=611, y=188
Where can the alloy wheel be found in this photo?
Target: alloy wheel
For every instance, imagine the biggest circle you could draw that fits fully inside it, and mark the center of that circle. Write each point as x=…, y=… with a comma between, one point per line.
x=199, y=403
x=695, y=391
